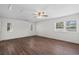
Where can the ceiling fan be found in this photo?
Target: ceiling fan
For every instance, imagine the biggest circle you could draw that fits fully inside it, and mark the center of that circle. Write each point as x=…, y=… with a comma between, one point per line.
x=40, y=14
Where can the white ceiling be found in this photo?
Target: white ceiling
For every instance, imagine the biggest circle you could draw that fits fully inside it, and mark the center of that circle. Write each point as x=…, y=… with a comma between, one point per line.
x=26, y=11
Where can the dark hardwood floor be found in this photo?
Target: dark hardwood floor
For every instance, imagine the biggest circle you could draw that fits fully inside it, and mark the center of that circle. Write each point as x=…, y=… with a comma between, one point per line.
x=36, y=45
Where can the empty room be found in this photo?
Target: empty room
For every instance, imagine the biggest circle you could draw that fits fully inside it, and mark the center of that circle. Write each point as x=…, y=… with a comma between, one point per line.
x=39, y=29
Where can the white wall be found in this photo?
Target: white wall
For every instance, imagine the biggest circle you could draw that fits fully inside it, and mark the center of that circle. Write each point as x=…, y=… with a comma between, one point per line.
x=47, y=29
x=19, y=29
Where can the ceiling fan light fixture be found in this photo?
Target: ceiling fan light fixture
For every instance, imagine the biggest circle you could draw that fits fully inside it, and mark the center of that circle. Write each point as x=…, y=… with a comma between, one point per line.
x=41, y=14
